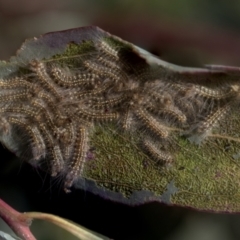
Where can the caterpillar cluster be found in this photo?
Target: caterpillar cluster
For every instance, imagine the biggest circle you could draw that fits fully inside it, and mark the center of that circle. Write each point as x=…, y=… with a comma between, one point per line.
x=57, y=106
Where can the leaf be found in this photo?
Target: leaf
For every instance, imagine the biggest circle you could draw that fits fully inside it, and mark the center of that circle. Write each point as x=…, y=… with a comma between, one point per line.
x=6, y=236
x=119, y=122
x=71, y=227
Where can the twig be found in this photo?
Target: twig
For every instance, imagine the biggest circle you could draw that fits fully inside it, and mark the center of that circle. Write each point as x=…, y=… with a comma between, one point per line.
x=17, y=221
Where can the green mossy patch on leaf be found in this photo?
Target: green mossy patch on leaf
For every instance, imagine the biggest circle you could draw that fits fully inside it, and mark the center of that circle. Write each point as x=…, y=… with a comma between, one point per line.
x=74, y=54
x=206, y=176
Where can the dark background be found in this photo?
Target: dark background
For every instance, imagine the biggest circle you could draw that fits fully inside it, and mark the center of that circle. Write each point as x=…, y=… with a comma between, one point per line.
x=184, y=32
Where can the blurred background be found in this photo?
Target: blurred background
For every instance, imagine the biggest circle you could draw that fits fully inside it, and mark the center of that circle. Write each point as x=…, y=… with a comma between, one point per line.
x=184, y=32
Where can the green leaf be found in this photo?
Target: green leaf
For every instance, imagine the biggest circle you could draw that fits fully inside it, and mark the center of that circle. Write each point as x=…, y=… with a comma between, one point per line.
x=173, y=135
x=72, y=228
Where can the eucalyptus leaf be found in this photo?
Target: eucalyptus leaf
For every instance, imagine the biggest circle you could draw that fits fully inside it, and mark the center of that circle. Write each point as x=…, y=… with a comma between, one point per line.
x=6, y=236
x=115, y=120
